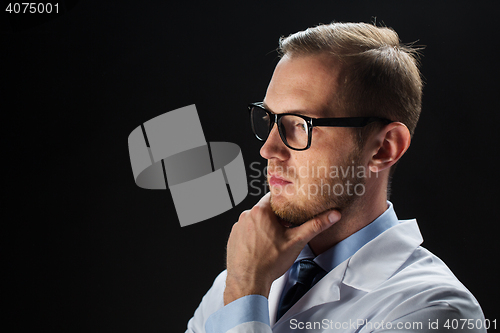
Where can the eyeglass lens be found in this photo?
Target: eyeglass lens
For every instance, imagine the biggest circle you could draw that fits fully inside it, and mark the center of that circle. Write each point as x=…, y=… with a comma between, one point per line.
x=260, y=123
x=294, y=129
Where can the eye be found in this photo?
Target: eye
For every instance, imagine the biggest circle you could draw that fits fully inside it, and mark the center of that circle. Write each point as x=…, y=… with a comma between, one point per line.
x=301, y=125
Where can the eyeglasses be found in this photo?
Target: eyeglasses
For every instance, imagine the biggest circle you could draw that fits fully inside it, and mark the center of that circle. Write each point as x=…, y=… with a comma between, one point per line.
x=296, y=130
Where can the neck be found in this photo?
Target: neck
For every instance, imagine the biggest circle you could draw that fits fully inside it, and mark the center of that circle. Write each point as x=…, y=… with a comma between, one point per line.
x=359, y=214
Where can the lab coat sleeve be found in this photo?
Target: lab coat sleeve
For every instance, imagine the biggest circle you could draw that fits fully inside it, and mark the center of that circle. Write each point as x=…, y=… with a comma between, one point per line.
x=211, y=302
x=246, y=314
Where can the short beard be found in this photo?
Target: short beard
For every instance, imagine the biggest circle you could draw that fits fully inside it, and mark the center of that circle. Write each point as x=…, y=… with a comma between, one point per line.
x=296, y=214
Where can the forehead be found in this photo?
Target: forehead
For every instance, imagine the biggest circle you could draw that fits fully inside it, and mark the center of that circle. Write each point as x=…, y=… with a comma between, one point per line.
x=305, y=85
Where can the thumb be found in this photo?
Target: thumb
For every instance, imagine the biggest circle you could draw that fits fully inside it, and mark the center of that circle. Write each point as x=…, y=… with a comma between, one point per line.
x=316, y=225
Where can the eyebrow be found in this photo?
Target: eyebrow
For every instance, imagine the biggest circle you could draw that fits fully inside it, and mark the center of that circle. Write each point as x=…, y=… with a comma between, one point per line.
x=297, y=112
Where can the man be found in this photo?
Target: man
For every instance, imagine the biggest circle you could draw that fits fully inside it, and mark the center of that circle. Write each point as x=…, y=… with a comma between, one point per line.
x=323, y=251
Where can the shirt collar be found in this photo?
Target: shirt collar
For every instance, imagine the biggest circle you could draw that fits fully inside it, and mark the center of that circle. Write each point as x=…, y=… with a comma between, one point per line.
x=332, y=257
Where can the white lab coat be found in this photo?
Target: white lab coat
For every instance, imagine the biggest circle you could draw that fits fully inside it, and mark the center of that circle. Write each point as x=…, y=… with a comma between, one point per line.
x=391, y=279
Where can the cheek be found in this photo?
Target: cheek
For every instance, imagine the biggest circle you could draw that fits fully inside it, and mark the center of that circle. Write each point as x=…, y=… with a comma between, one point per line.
x=336, y=142
x=330, y=149
x=314, y=167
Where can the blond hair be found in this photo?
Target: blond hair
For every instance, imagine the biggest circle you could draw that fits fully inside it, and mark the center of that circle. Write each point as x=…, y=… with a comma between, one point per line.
x=378, y=75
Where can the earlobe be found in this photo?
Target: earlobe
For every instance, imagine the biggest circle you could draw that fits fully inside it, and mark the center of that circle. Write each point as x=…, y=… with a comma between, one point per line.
x=392, y=143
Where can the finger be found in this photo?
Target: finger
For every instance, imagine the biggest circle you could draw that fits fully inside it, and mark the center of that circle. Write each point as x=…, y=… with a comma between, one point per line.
x=315, y=226
x=265, y=200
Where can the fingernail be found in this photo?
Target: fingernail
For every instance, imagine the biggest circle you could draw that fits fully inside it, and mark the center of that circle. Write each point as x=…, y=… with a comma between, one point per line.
x=333, y=217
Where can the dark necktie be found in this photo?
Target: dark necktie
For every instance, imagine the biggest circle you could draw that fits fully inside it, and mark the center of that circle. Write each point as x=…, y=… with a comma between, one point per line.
x=309, y=274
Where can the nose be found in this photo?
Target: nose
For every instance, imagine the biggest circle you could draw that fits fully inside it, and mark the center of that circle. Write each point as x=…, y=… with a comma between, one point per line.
x=274, y=147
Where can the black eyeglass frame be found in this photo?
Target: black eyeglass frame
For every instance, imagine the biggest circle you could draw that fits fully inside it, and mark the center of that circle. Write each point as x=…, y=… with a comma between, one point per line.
x=311, y=122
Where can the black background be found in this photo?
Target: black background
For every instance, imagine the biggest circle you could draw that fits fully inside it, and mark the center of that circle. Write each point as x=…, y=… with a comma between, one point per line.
x=86, y=250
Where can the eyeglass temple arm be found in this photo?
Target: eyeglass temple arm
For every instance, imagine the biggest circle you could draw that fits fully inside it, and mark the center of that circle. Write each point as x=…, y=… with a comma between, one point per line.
x=348, y=121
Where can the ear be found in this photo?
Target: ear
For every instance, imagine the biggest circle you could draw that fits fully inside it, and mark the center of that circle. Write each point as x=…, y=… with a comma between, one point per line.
x=389, y=145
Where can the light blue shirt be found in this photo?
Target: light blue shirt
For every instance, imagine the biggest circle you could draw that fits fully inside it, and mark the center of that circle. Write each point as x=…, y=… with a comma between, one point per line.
x=255, y=307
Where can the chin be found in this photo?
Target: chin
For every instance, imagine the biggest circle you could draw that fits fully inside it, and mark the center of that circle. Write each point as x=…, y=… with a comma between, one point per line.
x=292, y=213
x=295, y=210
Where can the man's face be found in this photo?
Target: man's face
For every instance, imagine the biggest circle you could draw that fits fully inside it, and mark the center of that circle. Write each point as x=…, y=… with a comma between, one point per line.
x=306, y=183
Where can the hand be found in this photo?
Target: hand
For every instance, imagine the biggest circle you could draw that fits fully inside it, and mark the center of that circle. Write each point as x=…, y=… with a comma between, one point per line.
x=260, y=249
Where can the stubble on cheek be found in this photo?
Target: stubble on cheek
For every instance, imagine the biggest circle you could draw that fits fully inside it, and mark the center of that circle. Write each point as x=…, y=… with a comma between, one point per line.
x=316, y=194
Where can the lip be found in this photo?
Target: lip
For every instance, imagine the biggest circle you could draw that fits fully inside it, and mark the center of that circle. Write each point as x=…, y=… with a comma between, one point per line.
x=275, y=180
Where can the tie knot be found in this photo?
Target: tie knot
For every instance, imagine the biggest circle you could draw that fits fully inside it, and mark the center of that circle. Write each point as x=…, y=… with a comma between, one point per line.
x=309, y=273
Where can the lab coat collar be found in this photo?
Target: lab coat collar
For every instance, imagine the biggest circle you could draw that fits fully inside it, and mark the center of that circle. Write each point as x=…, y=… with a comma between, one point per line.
x=368, y=268
x=379, y=259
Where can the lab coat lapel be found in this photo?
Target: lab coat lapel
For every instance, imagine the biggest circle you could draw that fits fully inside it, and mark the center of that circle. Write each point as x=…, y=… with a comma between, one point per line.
x=369, y=267
x=274, y=297
x=380, y=258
